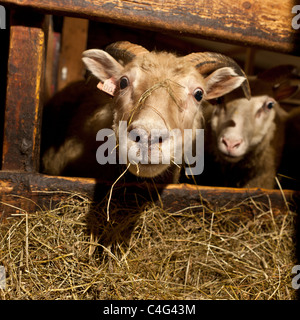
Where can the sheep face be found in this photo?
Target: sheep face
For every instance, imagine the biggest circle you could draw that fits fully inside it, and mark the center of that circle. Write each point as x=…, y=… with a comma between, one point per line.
x=239, y=125
x=159, y=95
x=162, y=95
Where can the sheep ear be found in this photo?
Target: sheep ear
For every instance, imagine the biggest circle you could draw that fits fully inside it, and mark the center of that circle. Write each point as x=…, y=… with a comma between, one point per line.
x=101, y=64
x=222, y=81
x=279, y=74
x=284, y=91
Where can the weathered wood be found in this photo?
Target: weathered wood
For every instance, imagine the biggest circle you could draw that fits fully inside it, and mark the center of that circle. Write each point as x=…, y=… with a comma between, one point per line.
x=266, y=24
x=21, y=192
x=3, y=71
x=101, y=35
x=23, y=99
x=74, y=40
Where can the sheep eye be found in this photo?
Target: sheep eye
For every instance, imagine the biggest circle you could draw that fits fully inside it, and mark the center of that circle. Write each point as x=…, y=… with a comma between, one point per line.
x=124, y=82
x=198, y=94
x=270, y=105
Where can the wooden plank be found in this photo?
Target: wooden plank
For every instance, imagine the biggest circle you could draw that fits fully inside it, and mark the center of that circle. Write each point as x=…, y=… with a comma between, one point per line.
x=74, y=40
x=4, y=47
x=23, y=99
x=48, y=89
x=101, y=35
x=28, y=192
x=265, y=24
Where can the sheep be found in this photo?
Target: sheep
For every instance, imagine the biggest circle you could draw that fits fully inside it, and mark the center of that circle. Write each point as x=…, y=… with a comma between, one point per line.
x=71, y=120
x=147, y=90
x=244, y=138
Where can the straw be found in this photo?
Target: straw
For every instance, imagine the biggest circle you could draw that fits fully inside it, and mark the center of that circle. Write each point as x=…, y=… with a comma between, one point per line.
x=148, y=253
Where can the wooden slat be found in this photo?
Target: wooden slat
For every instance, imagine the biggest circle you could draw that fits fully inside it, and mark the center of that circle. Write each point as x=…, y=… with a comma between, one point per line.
x=74, y=40
x=23, y=99
x=48, y=90
x=3, y=81
x=28, y=192
x=266, y=24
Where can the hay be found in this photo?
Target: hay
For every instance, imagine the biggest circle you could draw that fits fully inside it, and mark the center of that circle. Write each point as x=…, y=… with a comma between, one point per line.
x=147, y=253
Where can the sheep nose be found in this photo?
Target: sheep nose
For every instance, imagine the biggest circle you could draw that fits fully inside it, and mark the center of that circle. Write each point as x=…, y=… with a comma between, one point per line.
x=141, y=134
x=231, y=143
x=159, y=136
x=137, y=134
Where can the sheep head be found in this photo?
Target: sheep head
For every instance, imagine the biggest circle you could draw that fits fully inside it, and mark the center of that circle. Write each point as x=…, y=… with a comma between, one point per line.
x=240, y=125
x=160, y=91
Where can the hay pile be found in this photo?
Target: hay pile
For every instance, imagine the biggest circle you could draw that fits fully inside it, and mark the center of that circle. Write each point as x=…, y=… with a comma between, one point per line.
x=72, y=252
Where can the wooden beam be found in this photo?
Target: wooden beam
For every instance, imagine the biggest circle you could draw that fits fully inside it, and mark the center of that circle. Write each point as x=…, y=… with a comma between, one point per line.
x=27, y=192
x=23, y=99
x=265, y=24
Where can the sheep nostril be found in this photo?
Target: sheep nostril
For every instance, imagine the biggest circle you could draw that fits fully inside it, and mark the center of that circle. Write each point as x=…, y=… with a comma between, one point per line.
x=224, y=141
x=237, y=144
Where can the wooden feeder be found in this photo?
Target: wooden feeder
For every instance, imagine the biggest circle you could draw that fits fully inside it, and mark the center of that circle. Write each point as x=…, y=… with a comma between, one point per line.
x=265, y=24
